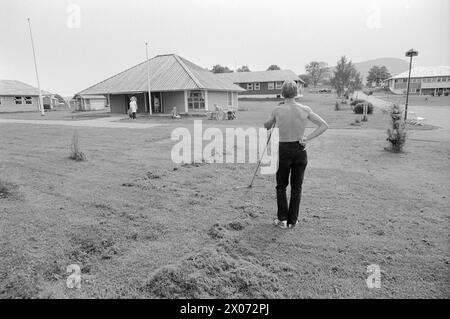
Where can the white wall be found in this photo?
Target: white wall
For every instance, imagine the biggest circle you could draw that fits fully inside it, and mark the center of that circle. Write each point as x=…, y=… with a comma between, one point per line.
x=8, y=105
x=173, y=99
x=220, y=98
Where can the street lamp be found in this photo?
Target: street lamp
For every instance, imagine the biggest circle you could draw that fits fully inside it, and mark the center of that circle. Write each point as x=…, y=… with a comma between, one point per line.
x=410, y=53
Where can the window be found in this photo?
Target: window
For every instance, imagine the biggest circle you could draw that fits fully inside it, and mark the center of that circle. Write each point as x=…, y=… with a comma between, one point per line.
x=196, y=100
x=250, y=86
x=257, y=86
x=230, y=98
x=18, y=100
x=396, y=80
x=28, y=100
x=439, y=79
x=279, y=85
x=270, y=85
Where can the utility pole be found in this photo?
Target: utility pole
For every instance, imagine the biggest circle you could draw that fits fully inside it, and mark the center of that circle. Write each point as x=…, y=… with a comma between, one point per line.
x=41, y=101
x=148, y=81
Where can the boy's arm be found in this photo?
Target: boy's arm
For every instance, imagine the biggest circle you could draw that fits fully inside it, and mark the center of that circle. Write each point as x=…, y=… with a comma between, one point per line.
x=322, y=126
x=271, y=121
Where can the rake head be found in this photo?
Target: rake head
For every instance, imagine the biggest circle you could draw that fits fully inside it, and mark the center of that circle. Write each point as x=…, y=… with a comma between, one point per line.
x=247, y=187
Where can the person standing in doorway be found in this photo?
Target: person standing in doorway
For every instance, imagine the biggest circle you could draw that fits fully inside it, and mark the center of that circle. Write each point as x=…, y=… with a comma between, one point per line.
x=133, y=107
x=156, y=104
x=291, y=118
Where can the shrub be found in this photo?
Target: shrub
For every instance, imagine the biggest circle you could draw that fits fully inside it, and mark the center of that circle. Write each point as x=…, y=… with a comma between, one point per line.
x=359, y=108
x=76, y=154
x=439, y=93
x=446, y=93
x=357, y=101
x=397, y=131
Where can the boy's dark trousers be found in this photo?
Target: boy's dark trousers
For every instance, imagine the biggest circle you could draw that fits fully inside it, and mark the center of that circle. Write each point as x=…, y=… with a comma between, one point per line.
x=292, y=161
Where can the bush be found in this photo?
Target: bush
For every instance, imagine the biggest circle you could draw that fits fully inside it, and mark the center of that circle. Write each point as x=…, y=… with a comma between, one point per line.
x=446, y=93
x=397, y=132
x=357, y=101
x=439, y=93
x=76, y=154
x=359, y=108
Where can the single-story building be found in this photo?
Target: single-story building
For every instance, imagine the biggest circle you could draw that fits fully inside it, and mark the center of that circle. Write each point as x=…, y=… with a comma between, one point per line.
x=16, y=96
x=84, y=102
x=262, y=84
x=174, y=82
x=424, y=80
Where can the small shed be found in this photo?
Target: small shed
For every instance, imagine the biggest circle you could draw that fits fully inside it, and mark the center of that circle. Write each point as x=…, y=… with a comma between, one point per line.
x=89, y=102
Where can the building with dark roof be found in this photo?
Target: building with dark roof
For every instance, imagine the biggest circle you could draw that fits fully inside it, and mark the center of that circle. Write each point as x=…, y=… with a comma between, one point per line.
x=174, y=82
x=262, y=84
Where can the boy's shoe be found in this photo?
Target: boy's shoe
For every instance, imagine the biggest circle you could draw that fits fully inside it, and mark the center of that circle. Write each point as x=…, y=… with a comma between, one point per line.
x=293, y=225
x=280, y=223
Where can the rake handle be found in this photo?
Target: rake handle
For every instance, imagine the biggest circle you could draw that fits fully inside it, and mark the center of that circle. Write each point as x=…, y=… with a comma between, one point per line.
x=262, y=155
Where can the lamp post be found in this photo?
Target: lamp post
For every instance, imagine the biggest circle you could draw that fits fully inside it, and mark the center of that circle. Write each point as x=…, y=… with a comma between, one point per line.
x=410, y=53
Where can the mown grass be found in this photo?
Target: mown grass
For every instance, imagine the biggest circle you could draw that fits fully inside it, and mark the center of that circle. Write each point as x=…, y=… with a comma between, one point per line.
x=139, y=225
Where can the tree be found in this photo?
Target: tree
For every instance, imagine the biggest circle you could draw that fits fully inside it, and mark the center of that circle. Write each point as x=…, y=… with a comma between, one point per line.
x=344, y=75
x=220, y=69
x=273, y=67
x=377, y=74
x=243, y=68
x=316, y=71
x=356, y=83
x=305, y=78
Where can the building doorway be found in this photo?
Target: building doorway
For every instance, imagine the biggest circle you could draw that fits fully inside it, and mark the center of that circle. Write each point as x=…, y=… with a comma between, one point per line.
x=157, y=103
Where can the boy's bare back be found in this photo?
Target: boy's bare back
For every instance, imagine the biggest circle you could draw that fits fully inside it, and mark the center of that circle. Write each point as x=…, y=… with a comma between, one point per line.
x=291, y=120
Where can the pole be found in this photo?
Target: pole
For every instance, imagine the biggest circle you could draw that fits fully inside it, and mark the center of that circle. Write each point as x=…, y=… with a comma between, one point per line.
x=407, y=90
x=148, y=81
x=41, y=102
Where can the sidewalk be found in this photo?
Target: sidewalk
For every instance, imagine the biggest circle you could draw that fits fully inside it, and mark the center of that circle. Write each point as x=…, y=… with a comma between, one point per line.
x=107, y=122
x=379, y=103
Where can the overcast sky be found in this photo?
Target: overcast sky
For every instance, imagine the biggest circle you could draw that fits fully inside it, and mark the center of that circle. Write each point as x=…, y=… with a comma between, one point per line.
x=75, y=51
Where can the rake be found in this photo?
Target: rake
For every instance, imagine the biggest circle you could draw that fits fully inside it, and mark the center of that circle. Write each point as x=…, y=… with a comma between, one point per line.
x=259, y=164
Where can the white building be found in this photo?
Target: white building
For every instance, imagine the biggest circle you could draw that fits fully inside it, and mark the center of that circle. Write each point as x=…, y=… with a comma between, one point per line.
x=424, y=80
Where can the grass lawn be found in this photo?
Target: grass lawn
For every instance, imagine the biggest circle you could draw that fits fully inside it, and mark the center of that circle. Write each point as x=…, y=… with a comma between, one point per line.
x=141, y=226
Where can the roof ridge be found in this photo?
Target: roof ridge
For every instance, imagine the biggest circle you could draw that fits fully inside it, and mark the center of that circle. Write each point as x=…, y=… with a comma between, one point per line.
x=184, y=66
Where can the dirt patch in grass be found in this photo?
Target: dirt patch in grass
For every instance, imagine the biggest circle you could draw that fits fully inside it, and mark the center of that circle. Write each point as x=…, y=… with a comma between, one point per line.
x=7, y=189
x=213, y=273
x=90, y=242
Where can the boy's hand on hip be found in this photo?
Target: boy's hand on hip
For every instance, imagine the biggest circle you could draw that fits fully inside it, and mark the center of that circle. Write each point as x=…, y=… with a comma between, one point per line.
x=303, y=141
